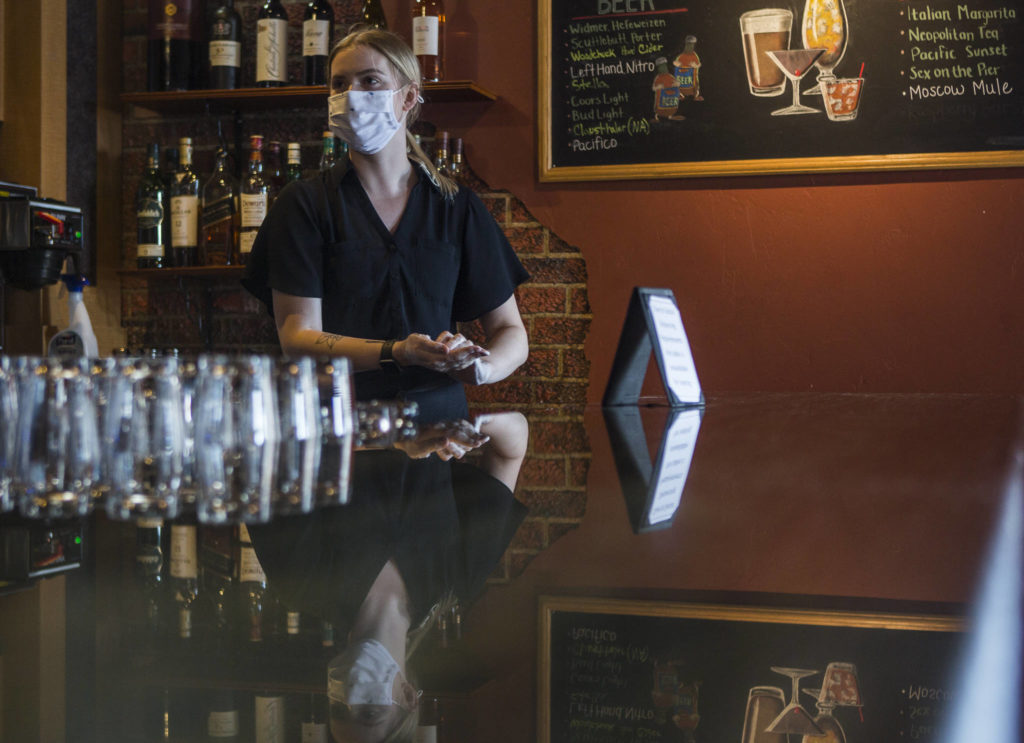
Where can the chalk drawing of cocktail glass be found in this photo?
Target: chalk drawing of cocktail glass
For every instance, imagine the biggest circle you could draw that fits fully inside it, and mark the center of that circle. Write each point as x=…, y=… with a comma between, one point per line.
x=764, y=703
x=794, y=719
x=839, y=688
x=841, y=96
x=763, y=31
x=825, y=27
x=794, y=64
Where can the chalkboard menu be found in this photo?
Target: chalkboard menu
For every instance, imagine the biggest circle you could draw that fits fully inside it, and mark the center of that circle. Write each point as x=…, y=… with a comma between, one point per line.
x=665, y=88
x=622, y=672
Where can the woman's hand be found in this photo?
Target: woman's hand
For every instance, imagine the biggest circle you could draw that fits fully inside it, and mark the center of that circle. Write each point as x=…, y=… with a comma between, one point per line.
x=448, y=439
x=449, y=353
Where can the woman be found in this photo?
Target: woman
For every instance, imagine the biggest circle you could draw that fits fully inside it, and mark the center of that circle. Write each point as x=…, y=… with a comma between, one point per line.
x=379, y=258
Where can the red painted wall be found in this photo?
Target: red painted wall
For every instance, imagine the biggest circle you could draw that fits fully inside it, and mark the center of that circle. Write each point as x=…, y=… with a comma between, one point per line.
x=909, y=281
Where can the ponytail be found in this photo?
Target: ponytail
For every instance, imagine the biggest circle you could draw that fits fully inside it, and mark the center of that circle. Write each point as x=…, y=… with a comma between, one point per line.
x=446, y=185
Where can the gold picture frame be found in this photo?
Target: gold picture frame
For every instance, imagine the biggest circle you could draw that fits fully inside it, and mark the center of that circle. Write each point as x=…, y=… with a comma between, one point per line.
x=549, y=172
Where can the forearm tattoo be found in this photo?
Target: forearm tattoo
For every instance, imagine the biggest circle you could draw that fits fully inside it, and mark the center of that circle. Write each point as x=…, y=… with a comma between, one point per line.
x=329, y=340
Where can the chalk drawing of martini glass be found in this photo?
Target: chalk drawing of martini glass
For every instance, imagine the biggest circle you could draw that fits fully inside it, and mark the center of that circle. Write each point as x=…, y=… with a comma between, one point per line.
x=795, y=63
x=794, y=719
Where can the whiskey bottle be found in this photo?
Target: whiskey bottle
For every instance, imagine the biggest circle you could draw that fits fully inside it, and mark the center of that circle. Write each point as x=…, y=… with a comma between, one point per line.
x=185, y=210
x=219, y=216
x=253, y=199
x=149, y=214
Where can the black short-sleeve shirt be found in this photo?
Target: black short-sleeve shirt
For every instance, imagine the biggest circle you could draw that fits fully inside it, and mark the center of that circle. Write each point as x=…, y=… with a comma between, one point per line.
x=447, y=262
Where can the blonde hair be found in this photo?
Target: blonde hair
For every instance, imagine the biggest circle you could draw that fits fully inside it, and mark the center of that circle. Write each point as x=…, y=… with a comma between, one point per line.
x=407, y=69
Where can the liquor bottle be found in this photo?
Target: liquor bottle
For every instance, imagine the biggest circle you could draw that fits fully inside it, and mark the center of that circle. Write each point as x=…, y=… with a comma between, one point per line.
x=327, y=158
x=269, y=716
x=225, y=48
x=428, y=25
x=149, y=213
x=253, y=199
x=372, y=14
x=184, y=576
x=217, y=565
x=171, y=175
x=149, y=568
x=317, y=37
x=173, y=46
x=441, y=152
x=185, y=210
x=272, y=172
x=222, y=723
x=313, y=728
x=294, y=172
x=252, y=582
x=687, y=68
x=455, y=171
x=271, y=45
x=219, y=216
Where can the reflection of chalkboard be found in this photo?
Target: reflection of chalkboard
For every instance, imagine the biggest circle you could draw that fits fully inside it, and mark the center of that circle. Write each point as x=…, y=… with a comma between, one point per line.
x=943, y=86
x=617, y=671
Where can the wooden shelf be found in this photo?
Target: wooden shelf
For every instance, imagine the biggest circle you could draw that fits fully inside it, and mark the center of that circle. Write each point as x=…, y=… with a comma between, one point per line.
x=191, y=272
x=296, y=96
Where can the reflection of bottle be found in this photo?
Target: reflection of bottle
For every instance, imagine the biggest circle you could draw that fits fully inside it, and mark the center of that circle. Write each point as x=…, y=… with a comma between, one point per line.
x=184, y=575
x=686, y=66
x=253, y=584
x=666, y=91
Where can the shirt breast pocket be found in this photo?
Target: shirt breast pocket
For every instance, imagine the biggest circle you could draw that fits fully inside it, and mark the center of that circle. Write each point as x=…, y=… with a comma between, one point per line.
x=432, y=270
x=355, y=270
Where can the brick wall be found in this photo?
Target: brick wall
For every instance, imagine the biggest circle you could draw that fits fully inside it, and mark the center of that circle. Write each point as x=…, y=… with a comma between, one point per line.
x=194, y=315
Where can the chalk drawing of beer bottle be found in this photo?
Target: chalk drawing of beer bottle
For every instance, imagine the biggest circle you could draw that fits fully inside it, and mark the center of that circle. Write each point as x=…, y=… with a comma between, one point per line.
x=666, y=92
x=687, y=67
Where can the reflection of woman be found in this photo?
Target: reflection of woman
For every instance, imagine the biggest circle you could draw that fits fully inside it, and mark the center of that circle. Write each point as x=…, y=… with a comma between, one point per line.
x=379, y=258
x=417, y=534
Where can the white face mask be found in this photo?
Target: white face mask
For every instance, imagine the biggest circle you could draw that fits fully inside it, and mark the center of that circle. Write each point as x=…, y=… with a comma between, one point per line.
x=364, y=119
x=364, y=674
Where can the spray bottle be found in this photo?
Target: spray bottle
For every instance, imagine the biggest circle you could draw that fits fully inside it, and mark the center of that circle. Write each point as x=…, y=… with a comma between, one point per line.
x=78, y=339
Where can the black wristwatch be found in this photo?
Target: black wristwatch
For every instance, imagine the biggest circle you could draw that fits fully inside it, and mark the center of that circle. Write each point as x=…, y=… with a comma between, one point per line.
x=387, y=358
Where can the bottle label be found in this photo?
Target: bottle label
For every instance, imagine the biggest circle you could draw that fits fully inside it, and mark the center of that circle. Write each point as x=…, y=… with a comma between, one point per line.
x=222, y=724
x=250, y=570
x=217, y=211
x=269, y=719
x=314, y=732
x=225, y=54
x=184, y=560
x=245, y=241
x=150, y=250
x=316, y=38
x=150, y=214
x=184, y=220
x=149, y=559
x=174, y=20
x=294, y=620
x=254, y=209
x=424, y=35
x=270, y=50
x=185, y=623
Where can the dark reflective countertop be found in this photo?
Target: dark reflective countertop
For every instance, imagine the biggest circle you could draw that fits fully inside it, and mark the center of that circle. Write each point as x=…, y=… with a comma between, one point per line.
x=840, y=504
